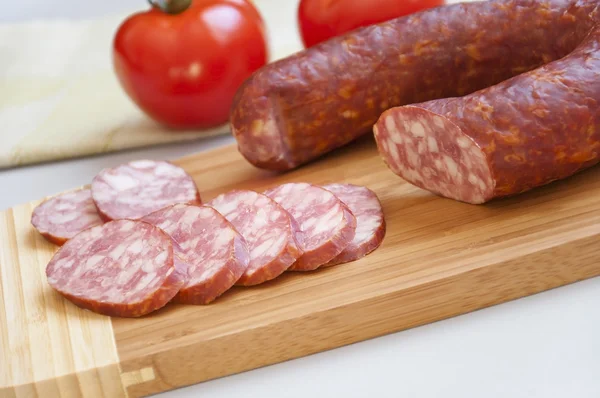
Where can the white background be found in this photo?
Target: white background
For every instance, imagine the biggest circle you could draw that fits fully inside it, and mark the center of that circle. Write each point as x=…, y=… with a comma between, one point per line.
x=547, y=345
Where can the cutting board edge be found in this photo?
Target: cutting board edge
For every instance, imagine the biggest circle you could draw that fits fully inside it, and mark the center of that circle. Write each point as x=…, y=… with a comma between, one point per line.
x=107, y=379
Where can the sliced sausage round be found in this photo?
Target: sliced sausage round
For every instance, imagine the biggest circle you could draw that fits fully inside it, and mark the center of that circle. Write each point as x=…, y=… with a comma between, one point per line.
x=268, y=230
x=138, y=188
x=326, y=224
x=370, y=222
x=213, y=251
x=63, y=216
x=122, y=268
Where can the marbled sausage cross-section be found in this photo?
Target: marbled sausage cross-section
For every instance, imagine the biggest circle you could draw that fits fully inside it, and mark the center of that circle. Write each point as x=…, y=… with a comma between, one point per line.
x=63, y=216
x=213, y=251
x=122, y=268
x=326, y=224
x=267, y=229
x=370, y=222
x=138, y=188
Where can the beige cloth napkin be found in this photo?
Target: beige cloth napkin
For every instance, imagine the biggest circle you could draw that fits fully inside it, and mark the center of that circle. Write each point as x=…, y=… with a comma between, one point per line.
x=59, y=97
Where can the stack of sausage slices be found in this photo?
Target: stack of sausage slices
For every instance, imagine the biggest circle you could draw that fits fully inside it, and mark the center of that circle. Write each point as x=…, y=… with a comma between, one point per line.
x=140, y=237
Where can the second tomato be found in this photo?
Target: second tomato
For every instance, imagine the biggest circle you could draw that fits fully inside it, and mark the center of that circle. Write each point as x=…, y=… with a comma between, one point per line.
x=321, y=20
x=183, y=69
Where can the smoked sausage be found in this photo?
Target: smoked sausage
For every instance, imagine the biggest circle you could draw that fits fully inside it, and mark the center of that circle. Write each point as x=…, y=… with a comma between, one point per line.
x=267, y=229
x=370, y=221
x=122, y=268
x=63, y=216
x=138, y=188
x=301, y=107
x=530, y=130
x=214, y=253
x=326, y=226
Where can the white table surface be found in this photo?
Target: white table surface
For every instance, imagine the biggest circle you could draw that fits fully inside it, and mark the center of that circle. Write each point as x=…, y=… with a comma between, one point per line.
x=547, y=345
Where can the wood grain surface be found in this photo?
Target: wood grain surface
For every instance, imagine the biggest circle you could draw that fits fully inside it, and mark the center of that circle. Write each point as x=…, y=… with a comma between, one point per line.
x=440, y=258
x=48, y=347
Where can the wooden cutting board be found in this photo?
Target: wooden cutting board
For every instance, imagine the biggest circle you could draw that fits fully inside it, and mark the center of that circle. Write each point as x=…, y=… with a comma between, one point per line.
x=440, y=258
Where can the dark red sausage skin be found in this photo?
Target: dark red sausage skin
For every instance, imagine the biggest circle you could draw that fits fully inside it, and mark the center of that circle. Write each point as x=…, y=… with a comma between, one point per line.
x=533, y=129
x=301, y=107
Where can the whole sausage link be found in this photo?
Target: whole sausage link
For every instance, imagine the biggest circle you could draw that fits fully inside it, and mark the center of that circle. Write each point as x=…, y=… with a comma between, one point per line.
x=297, y=109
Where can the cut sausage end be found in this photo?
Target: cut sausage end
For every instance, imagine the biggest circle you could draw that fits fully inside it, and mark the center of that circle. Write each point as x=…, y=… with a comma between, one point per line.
x=256, y=125
x=429, y=151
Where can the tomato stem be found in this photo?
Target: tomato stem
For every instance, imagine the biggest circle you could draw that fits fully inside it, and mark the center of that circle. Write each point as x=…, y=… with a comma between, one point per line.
x=171, y=6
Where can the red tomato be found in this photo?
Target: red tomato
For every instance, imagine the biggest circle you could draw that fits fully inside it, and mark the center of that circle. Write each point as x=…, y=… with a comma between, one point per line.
x=320, y=20
x=184, y=69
